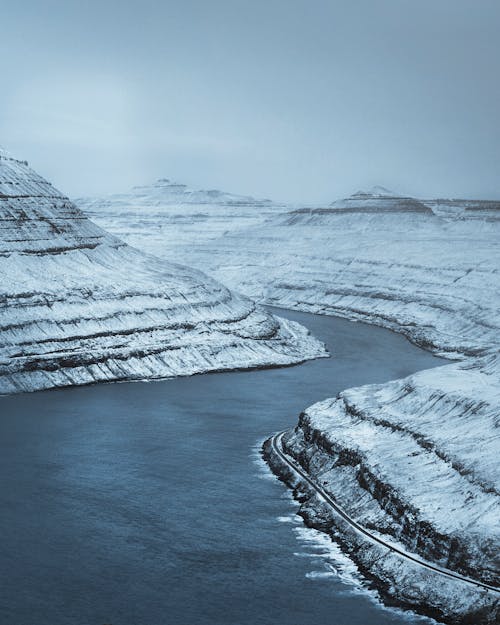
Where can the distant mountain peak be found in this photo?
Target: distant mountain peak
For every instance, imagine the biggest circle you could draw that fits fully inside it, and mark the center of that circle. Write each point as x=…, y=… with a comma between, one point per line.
x=379, y=200
x=168, y=191
x=376, y=191
x=167, y=182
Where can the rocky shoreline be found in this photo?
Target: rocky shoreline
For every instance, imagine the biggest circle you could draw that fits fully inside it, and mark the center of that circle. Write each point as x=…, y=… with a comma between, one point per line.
x=398, y=582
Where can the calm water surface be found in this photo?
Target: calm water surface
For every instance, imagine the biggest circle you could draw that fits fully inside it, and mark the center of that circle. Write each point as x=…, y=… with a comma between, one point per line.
x=143, y=504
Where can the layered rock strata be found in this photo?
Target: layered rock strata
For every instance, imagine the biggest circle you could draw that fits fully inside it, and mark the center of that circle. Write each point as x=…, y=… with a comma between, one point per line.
x=78, y=305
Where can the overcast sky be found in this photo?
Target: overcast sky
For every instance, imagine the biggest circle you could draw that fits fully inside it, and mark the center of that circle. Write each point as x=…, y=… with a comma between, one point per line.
x=298, y=100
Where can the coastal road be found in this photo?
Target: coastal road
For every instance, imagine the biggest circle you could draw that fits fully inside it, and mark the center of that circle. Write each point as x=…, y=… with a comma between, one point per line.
x=277, y=446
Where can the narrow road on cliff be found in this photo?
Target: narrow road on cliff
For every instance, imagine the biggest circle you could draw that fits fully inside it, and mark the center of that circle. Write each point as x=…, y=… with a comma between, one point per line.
x=277, y=446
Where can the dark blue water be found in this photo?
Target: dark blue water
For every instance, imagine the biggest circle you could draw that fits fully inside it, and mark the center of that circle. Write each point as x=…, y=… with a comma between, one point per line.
x=142, y=504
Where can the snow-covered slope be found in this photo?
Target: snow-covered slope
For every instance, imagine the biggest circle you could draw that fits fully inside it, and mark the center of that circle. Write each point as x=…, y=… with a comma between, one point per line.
x=165, y=214
x=414, y=459
x=78, y=305
x=469, y=209
x=403, y=266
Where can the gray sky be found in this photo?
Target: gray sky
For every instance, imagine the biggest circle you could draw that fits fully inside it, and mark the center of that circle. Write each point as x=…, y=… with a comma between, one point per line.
x=290, y=99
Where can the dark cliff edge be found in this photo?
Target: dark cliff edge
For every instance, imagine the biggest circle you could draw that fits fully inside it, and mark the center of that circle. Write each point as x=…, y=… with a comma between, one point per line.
x=398, y=582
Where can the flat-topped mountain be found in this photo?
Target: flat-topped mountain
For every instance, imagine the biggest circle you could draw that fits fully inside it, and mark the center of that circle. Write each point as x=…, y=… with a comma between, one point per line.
x=78, y=305
x=165, y=215
x=379, y=199
x=376, y=207
x=169, y=191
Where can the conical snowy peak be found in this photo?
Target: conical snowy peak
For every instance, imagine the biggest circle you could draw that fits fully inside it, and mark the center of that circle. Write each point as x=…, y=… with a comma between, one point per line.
x=78, y=305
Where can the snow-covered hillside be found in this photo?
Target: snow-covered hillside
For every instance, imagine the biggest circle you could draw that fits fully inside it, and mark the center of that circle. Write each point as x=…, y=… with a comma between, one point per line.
x=165, y=214
x=401, y=266
x=415, y=459
x=469, y=209
x=78, y=305
x=415, y=462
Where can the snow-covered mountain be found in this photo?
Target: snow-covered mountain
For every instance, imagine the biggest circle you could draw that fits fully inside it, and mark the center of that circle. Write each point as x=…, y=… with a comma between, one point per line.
x=78, y=305
x=171, y=192
x=165, y=215
x=379, y=199
x=434, y=279
x=424, y=449
x=165, y=192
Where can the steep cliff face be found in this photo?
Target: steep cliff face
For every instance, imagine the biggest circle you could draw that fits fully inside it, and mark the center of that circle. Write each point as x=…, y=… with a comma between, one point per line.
x=78, y=305
x=415, y=462
x=343, y=468
x=414, y=477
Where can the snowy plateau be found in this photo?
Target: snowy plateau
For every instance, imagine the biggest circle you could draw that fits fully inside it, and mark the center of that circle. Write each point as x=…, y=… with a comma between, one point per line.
x=78, y=305
x=414, y=460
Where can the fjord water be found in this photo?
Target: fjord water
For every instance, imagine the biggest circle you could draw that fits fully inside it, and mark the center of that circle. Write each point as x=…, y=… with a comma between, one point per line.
x=143, y=503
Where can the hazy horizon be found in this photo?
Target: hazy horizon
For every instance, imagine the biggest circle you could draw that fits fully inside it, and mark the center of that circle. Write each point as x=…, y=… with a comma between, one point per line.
x=293, y=100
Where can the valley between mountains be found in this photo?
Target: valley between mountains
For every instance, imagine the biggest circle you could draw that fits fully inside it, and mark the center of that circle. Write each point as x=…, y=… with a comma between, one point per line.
x=415, y=459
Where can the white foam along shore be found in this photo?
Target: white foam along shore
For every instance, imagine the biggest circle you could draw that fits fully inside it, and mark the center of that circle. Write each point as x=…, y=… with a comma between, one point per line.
x=78, y=305
x=416, y=458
